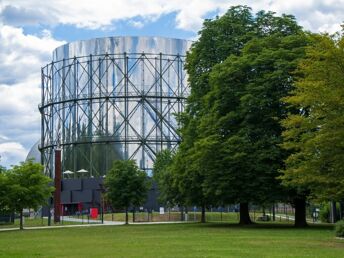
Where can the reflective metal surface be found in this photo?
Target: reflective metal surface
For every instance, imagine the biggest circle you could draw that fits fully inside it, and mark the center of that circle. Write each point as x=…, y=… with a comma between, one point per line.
x=112, y=98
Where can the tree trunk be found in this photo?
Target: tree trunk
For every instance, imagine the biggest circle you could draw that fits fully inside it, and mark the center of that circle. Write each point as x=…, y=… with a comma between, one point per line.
x=244, y=214
x=181, y=213
x=341, y=210
x=333, y=212
x=300, y=213
x=273, y=212
x=21, y=220
x=126, y=216
x=203, y=214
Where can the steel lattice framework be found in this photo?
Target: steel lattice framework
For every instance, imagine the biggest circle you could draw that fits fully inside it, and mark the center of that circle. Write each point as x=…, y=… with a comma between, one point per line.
x=98, y=108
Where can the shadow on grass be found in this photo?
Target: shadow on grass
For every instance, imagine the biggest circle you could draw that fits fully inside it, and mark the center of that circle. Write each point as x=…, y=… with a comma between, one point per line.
x=277, y=226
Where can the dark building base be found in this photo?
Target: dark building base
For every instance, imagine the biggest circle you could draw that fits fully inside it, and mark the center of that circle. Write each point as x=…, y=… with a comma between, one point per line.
x=79, y=195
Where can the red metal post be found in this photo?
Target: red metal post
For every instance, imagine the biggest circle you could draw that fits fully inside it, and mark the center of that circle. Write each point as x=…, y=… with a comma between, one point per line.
x=57, y=193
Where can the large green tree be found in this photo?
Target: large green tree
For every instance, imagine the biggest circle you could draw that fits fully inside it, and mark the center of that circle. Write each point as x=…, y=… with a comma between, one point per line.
x=315, y=135
x=245, y=103
x=218, y=39
x=218, y=126
x=126, y=185
x=27, y=187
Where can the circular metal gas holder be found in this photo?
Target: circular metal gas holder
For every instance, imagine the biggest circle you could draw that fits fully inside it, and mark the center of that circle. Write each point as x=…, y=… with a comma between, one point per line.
x=112, y=98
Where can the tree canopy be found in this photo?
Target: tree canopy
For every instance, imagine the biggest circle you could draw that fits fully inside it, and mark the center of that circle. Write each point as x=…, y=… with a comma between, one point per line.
x=314, y=136
x=126, y=185
x=162, y=174
x=26, y=187
x=4, y=190
x=239, y=68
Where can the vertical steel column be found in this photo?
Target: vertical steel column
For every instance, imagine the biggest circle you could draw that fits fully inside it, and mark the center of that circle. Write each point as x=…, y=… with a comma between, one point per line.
x=90, y=109
x=63, y=138
x=106, y=96
x=126, y=83
x=75, y=122
x=57, y=193
x=143, y=114
x=41, y=109
x=156, y=86
x=100, y=107
x=106, y=111
x=161, y=98
x=52, y=115
x=169, y=104
x=178, y=87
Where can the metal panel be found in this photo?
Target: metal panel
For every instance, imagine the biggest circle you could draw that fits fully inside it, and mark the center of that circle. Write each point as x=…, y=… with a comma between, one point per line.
x=92, y=183
x=82, y=196
x=71, y=184
x=66, y=197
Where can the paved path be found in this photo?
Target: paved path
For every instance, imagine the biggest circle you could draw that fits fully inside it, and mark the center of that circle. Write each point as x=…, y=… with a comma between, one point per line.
x=91, y=221
x=95, y=223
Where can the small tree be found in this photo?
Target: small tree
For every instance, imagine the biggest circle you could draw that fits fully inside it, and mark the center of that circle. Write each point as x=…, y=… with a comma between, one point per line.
x=163, y=176
x=126, y=185
x=4, y=189
x=28, y=187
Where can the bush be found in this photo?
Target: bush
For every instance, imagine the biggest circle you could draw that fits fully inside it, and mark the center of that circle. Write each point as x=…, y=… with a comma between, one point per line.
x=325, y=212
x=340, y=228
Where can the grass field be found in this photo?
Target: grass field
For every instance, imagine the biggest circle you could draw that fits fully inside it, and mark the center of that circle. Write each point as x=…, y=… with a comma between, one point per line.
x=230, y=217
x=36, y=222
x=174, y=240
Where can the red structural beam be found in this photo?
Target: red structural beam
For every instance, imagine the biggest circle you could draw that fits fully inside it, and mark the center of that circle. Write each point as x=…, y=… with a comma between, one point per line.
x=57, y=193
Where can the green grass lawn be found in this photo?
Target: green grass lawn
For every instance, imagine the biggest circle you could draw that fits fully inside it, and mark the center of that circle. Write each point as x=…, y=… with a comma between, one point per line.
x=174, y=240
x=230, y=217
x=37, y=222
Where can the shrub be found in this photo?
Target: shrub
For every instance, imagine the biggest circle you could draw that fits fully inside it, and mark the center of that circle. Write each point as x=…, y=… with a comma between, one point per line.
x=340, y=228
x=325, y=213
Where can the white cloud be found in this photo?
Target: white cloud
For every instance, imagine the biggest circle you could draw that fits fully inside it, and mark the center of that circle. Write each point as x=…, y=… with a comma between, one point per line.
x=315, y=15
x=21, y=59
x=11, y=152
x=136, y=24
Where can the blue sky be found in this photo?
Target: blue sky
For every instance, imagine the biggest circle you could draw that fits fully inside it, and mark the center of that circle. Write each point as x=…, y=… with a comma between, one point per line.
x=31, y=29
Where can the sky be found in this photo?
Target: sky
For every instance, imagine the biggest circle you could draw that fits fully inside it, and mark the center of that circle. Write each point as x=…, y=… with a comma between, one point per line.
x=31, y=29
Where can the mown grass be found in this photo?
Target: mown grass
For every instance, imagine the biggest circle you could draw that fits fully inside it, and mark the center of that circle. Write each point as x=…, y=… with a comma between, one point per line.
x=174, y=240
x=37, y=222
x=229, y=217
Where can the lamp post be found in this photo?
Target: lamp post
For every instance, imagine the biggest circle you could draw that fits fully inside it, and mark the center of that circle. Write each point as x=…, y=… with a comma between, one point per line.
x=57, y=193
x=102, y=191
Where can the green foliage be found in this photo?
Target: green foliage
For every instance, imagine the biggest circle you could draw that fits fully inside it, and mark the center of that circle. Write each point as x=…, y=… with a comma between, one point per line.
x=325, y=212
x=239, y=68
x=24, y=186
x=27, y=186
x=163, y=176
x=340, y=228
x=245, y=101
x=126, y=185
x=4, y=190
x=315, y=135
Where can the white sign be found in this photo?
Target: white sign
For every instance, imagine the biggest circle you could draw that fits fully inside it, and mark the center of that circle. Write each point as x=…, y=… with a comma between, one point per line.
x=162, y=210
